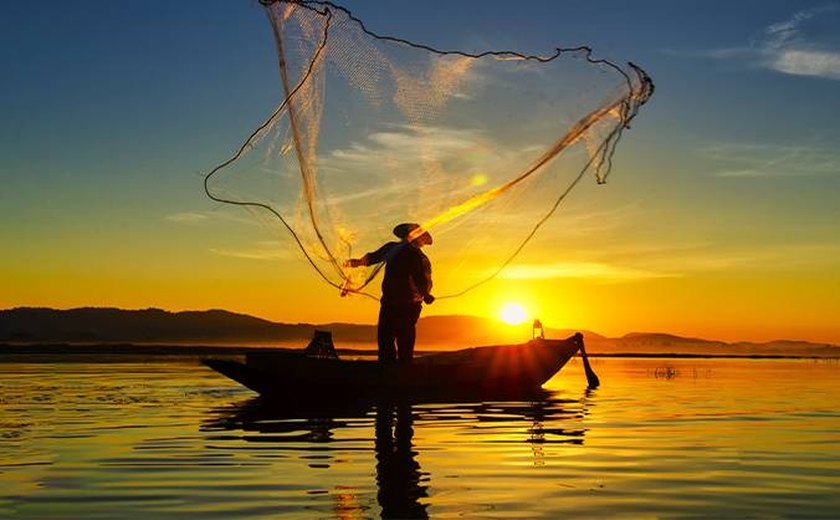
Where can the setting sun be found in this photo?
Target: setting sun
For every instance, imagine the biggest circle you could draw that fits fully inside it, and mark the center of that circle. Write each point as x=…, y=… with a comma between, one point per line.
x=513, y=314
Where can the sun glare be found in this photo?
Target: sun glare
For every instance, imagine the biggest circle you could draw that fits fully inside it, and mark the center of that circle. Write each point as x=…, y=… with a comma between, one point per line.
x=513, y=314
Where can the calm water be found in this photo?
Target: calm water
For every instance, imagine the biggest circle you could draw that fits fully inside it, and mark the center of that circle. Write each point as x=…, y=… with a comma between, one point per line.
x=660, y=438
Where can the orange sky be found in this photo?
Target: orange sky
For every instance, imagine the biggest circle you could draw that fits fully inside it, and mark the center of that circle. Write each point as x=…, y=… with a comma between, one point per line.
x=719, y=221
x=749, y=302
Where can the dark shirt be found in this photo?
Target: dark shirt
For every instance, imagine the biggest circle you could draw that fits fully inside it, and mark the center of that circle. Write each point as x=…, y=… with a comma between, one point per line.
x=408, y=273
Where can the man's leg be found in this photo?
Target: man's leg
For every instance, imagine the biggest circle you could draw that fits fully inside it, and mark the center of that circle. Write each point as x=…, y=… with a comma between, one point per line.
x=385, y=332
x=406, y=331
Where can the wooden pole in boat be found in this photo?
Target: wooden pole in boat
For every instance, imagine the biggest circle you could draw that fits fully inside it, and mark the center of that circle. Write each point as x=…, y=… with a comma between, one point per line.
x=591, y=378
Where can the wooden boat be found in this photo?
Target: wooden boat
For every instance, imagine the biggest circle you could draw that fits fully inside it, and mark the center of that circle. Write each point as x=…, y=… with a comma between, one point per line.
x=476, y=371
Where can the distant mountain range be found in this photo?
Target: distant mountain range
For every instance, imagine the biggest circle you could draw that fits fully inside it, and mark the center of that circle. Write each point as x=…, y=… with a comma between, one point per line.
x=31, y=326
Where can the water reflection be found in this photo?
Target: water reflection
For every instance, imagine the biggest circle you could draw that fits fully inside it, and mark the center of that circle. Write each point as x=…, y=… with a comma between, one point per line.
x=268, y=421
x=323, y=434
x=742, y=438
x=400, y=482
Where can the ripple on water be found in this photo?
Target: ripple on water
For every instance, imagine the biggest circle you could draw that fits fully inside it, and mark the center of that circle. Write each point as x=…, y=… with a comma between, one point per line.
x=718, y=437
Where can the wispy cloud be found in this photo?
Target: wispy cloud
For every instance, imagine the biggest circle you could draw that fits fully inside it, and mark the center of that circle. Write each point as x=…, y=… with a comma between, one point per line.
x=189, y=217
x=698, y=258
x=647, y=262
x=221, y=213
x=592, y=270
x=264, y=250
x=444, y=165
x=578, y=221
x=790, y=46
x=803, y=45
x=427, y=142
x=806, y=63
x=681, y=262
x=771, y=160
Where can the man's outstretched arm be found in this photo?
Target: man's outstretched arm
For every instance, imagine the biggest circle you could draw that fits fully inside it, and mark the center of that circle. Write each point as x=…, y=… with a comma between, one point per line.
x=374, y=257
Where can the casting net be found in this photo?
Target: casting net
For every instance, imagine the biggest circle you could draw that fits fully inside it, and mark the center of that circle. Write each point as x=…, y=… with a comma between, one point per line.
x=371, y=131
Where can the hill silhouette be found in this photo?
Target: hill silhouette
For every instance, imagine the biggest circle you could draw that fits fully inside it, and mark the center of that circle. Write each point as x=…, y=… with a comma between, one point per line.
x=96, y=325
x=90, y=325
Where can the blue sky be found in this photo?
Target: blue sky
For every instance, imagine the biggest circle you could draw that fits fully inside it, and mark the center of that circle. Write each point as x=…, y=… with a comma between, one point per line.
x=112, y=111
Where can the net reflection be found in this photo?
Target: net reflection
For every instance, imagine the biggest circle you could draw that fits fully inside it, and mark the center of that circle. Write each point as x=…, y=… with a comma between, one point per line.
x=312, y=436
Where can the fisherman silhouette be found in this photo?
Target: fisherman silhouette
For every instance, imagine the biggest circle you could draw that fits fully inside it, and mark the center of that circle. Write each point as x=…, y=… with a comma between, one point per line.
x=407, y=284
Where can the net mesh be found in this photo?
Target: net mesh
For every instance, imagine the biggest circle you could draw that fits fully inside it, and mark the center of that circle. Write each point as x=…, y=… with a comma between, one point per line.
x=372, y=131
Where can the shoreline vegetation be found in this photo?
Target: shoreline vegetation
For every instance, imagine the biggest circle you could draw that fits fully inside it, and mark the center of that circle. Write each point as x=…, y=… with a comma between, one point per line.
x=105, y=333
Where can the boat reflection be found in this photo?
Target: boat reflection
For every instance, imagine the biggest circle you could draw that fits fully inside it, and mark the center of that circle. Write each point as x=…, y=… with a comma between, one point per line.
x=271, y=421
x=402, y=487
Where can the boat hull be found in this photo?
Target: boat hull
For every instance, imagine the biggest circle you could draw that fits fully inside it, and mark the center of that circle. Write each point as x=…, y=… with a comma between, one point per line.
x=505, y=369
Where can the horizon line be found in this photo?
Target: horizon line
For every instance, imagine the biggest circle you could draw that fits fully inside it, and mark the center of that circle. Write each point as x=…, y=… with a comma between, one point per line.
x=484, y=318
